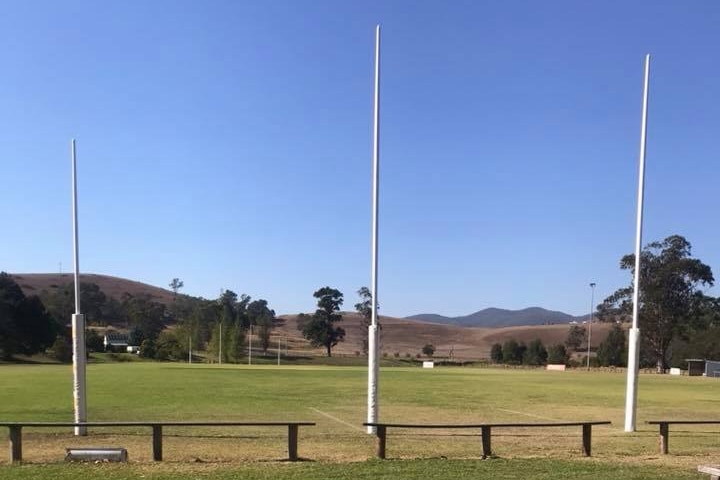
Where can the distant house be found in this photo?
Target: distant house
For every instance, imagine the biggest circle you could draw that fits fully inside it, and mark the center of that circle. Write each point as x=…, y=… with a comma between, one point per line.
x=116, y=342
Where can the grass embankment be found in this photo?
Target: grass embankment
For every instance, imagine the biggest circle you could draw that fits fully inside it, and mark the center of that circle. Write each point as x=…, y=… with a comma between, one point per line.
x=335, y=398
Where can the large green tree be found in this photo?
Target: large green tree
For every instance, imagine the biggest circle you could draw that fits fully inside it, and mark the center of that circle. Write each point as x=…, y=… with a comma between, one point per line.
x=612, y=351
x=513, y=352
x=320, y=329
x=702, y=340
x=496, y=353
x=576, y=337
x=364, y=308
x=25, y=325
x=557, y=354
x=263, y=318
x=144, y=314
x=536, y=354
x=670, y=295
x=60, y=303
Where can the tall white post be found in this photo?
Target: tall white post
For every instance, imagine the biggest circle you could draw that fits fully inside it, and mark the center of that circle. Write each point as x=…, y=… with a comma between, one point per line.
x=373, y=340
x=592, y=300
x=250, y=347
x=634, y=337
x=220, y=347
x=78, y=319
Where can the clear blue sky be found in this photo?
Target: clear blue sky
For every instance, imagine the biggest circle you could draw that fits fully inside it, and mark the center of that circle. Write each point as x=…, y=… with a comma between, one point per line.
x=229, y=144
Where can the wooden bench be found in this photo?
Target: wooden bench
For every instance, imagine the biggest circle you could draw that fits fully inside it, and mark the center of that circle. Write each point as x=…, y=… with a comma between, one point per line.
x=713, y=470
x=665, y=429
x=15, y=430
x=485, y=432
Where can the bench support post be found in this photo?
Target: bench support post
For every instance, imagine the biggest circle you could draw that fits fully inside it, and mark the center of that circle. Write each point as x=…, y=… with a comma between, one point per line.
x=664, y=434
x=486, y=446
x=293, y=442
x=157, y=447
x=587, y=439
x=15, y=443
x=381, y=432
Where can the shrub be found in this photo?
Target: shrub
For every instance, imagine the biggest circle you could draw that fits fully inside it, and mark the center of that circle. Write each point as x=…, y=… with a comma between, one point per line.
x=496, y=353
x=93, y=341
x=61, y=350
x=557, y=354
x=148, y=348
x=428, y=350
x=535, y=353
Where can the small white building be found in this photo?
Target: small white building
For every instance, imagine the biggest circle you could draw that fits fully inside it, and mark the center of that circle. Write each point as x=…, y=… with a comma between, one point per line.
x=116, y=342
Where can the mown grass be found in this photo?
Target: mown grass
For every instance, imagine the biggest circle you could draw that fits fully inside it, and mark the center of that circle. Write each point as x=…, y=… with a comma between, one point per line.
x=335, y=398
x=429, y=469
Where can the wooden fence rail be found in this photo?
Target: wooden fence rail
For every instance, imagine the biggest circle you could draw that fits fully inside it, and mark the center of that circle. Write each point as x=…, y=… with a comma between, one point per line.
x=485, y=432
x=665, y=429
x=15, y=432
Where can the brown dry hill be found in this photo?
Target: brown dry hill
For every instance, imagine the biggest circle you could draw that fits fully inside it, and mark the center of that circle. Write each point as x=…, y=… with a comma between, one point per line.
x=401, y=336
x=404, y=336
x=115, y=287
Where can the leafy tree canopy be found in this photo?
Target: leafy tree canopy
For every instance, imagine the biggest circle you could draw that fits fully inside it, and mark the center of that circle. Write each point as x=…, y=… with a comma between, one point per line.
x=25, y=325
x=320, y=329
x=671, y=300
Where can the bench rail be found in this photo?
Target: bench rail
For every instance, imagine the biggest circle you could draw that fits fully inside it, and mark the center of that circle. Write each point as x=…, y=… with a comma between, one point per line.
x=713, y=470
x=664, y=438
x=485, y=432
x=15, y=432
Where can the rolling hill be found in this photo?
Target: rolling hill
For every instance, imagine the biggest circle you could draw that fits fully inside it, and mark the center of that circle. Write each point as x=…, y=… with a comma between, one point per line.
x=115, y=287
x=405, y=336
x=498, y=317
x=459, y=337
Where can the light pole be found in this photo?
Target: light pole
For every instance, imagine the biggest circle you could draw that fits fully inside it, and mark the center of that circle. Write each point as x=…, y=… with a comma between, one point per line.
x=592, y=301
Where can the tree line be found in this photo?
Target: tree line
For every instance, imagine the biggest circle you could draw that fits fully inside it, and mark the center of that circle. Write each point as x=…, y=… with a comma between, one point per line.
x=36, y=323
x=677, y=319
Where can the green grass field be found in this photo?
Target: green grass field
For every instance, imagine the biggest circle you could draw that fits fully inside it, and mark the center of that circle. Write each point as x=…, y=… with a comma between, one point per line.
x=335, y=398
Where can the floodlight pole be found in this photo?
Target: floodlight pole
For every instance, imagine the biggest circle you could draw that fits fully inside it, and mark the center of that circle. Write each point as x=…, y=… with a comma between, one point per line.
x=250, y=347
x=373, y=340
x=592, y=301
x=78, y=319
x=634, y=337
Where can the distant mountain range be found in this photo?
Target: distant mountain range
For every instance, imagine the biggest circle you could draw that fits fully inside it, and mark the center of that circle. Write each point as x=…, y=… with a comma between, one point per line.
x=498, y=317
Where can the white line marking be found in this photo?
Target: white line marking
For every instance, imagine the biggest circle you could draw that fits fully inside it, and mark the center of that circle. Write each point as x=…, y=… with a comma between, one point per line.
x=354, y=427
x=529, y=414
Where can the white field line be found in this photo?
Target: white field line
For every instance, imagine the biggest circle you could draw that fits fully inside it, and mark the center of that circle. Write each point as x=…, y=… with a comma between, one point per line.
x=354, y=427
x=529, y=415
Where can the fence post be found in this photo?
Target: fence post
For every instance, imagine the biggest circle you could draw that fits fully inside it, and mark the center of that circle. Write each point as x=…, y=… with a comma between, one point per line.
x=486, y=445
x=381, y=432
x=15, y=443
x=587, y=438
x=292, y=442
x=157, y=446
x=664, y=437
